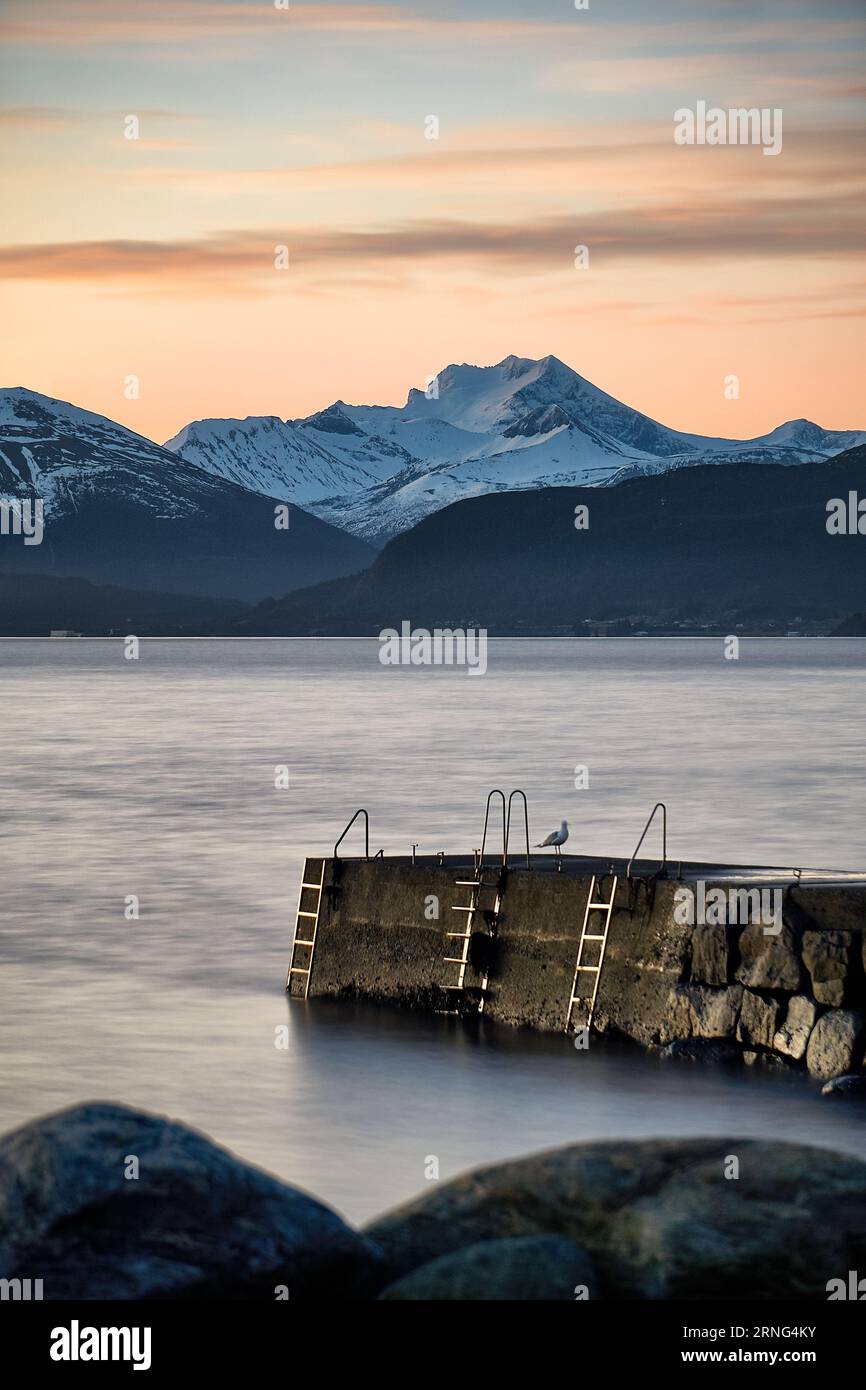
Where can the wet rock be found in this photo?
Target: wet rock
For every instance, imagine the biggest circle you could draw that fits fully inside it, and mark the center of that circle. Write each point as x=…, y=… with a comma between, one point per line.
x=522, y=1268
x=827, y=957
x=710, y=951
x=194, y=1222
x=769, y=962
x=835, y=1045
x=758, y=1020
x=767, y=1061
x=659, y=1219
x=709, y=1050
x=792, y=1037
x=851, y=1084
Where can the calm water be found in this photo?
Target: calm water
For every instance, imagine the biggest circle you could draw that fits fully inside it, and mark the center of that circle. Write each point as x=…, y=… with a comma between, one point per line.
x=156, y=778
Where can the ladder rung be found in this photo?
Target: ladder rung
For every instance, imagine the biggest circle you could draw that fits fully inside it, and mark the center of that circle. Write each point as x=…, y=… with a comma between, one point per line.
x=298, y=970
x=311, y=885
x=470, y=883
x=460, y=935
x=587, y=937
x=601, y=907
x=308, y=914
x=463, y=909
x=452, y=986
x=594, y=968
x=455, y=960
x=298, y=942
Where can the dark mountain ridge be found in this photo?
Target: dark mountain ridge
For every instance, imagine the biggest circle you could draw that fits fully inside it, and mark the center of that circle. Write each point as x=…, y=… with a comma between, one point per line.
x=708, y=542
x=121, y=510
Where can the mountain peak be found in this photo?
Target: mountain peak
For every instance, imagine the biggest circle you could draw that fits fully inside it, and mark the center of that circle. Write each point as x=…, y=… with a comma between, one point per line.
x=513, y=367
x=332, y=420
x=20, y=406
x=479, y=398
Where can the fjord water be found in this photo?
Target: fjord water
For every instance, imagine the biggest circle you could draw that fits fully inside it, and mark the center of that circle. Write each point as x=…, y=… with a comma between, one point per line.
x=156, y=778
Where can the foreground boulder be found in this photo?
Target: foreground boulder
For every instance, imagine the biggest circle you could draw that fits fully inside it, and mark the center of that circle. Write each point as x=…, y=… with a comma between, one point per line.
x=696, y=1219
x=194, y=1222
x=527, y=1268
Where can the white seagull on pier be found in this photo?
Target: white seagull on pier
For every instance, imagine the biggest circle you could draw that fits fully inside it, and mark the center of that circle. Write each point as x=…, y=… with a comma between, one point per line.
x=557, y=839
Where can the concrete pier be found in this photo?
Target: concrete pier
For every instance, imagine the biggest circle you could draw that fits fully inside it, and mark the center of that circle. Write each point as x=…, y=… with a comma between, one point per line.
x=789, y=990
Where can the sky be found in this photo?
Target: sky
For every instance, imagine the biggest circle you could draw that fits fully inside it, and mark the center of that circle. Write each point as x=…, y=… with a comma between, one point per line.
x=308, y=126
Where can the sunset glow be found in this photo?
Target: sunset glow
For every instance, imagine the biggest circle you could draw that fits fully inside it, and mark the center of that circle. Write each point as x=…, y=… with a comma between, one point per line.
x=307, y=127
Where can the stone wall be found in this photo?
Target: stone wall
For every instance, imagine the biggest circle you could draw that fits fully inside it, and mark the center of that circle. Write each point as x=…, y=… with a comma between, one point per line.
x=798, y=997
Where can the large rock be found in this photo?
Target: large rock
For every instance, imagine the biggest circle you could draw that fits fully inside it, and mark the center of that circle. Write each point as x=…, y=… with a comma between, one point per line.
x=769, y=962
x=196, y=1222
x=758, y=1020
x=710, y=951
x=827, y=957
x=697, y=1011
x=835, y=1045
x=659, y=1219
x=792, y=1037
x=524, y=1268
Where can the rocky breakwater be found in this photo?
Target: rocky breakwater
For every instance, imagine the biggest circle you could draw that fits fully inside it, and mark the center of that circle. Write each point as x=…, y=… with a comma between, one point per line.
x=101, y=1201
x=791, y=993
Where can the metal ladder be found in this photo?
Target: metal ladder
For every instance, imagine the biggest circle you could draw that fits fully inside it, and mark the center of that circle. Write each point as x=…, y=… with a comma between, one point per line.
x=305, y=915
x=586, y=935
x=477, y=886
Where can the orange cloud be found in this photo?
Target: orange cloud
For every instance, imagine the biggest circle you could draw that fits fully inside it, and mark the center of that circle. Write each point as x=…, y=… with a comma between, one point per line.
x=726, y=229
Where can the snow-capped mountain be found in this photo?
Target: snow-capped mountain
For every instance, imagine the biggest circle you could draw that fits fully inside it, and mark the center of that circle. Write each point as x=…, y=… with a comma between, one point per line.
x=377, y=470
x=302, y=461
x=54, y=450
x=120, y=509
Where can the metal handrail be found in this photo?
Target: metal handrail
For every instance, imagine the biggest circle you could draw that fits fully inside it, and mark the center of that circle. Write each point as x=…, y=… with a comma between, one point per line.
x=490, y=796
x=518, y=792
x=659, y=806
x=359, y=812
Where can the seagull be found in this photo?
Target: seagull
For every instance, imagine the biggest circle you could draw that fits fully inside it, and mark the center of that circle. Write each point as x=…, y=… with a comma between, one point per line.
x=557, y=839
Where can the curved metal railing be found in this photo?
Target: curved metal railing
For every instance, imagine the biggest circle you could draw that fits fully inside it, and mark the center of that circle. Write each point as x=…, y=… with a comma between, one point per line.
x=359, y=812
x=518, y=792
x=659, y=806
x=490, y=796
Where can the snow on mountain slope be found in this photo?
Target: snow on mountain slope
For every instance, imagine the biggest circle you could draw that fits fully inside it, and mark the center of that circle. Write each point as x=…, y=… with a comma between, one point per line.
x=301, y=460
x=522, y=423
x=119, y=509
x=56, y=451
x=267, y=455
